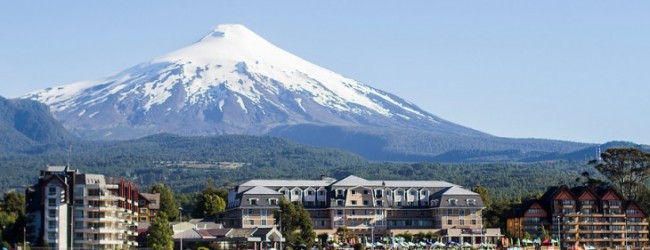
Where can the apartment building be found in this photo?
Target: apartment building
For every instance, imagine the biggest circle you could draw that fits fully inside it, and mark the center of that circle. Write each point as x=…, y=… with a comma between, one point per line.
x=366, y=207
x=69, y=209
x=149, y=207
x=599, y=218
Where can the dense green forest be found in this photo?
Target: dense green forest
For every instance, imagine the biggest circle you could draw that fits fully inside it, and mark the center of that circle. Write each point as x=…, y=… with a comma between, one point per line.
x=186, y=162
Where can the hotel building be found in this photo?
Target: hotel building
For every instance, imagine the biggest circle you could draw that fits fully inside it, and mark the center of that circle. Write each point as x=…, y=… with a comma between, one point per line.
x=366, y=207
x=68, y=209
x=601, y=218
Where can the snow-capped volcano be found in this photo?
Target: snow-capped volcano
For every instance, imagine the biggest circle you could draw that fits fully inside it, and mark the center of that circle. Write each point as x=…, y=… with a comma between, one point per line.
x=230, y=81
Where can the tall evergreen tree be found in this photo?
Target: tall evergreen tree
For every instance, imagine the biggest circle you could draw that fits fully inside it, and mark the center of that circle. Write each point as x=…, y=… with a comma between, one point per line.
x=297, y=227
x=627, y=168
x=160, y=233
x=167, y=202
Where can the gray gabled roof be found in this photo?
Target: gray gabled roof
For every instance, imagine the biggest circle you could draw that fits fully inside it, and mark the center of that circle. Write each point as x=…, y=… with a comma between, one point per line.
x=353, y=181
x=455, y=190
x=261, y=190
x=188, y=234
x=287, y=183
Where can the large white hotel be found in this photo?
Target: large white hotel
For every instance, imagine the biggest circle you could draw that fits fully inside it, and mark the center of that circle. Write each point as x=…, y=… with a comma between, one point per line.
x=366, y=207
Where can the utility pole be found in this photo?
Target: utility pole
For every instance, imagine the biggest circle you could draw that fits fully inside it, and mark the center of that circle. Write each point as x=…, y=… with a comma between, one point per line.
x=180, y=219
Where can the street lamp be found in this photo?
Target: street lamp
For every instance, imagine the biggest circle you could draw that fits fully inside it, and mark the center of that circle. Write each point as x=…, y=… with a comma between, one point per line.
x=280, y=226
x=180, y=220
x=559, y=234
x=372, y=234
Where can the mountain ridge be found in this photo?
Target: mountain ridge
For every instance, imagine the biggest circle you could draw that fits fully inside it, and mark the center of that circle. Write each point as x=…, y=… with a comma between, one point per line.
x=233, y=81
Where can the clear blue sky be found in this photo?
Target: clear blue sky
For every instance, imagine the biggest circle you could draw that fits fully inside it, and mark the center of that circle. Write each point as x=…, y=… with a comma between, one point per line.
x=570, y=70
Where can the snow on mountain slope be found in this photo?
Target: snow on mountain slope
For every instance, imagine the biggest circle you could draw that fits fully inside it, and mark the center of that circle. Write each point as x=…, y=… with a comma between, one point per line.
x=230, y=81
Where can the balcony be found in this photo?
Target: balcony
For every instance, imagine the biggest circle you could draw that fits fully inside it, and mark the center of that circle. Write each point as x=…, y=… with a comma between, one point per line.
x=361, y=216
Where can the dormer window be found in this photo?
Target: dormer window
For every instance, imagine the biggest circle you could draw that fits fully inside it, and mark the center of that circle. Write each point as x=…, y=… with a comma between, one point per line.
x=297, y=192
x=253, y=202
x=414, y=193
x=400, y=192
x=310, y=192
x=471, y=202
x=453, y=202
x=273, y=202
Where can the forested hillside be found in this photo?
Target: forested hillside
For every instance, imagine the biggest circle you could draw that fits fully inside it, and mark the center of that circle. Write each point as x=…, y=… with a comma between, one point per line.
x=186, y=162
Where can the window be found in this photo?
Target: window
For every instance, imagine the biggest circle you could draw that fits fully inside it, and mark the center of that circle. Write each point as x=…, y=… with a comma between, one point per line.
x=632, y=211
x=251, y=222
x=339, y=212
x=297, y=192
x=263, y=222
x=51, y=213
x=51, y=224
x=379, y=223
x=453, y=202
x=310, y=192
x=449, y=222
x=461, y=212
x=253, y=202
x=273, y=202
x=434, y=202
x=143, y=218
x=400, y=192
x=471, y=202
x=568, y=202
x=353, y=223
x=339, y=223
x=365, y=203
x=340, y=203
x=143, y=210
x=380, y=203
x=353, y=192
x=51, y=202
x=614, y=203
x=461, y=222
x=414, y=193
x=51, y=191
x=399, y=203
x=354, y=202
x=366, y=192
x=321, y=192
x=353, y=212
x=379, y=212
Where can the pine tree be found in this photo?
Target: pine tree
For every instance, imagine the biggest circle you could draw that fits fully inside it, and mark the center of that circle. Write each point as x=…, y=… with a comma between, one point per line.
x=160, y=233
